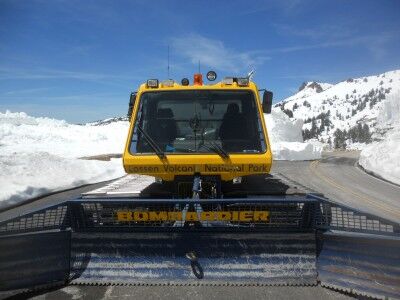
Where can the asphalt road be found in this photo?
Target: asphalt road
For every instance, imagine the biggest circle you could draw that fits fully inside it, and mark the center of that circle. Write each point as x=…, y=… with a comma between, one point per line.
x=335, y=175
x=338, y=177
x=193, y=292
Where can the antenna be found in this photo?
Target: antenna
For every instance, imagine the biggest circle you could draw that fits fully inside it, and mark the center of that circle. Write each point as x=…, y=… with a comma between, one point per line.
x=168, y=63
x=250, y=75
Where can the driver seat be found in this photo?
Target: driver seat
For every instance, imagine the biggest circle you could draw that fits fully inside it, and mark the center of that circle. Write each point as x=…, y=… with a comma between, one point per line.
x=163, y=128
x=233, y=129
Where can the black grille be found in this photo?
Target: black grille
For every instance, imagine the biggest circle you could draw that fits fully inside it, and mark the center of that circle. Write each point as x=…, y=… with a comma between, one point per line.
x=46, y=219
x=341, y=218
x=101, y=215
x=296, y=213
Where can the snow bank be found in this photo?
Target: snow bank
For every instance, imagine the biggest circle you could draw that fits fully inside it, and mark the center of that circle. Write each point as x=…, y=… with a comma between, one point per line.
x=295, y=151
x=28, y=175
x=286, y=138
x=383, y=158
x=39, y=155
x=22, y=133
x=389, y=114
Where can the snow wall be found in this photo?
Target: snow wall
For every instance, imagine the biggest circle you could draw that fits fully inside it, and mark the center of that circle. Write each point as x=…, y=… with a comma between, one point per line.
x=41, y=155
x=382, y=158
x=286, y=138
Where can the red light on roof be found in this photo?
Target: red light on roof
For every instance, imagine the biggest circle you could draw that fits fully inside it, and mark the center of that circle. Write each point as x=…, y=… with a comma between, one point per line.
x=198, y=79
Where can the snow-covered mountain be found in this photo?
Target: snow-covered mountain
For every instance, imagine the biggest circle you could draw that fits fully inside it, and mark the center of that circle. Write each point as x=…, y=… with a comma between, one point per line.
x=309, y=89
x=344, y=114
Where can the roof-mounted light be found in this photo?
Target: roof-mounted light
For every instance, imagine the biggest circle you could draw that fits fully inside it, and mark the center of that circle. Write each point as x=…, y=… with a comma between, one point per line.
x=185, y=81
x=152, y=83
x=167, y=83
x=227, y=80
x=198, y=79
x=242, y=81
x=211, y=75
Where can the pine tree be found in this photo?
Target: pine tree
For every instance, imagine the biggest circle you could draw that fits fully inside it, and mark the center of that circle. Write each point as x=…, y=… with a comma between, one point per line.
x=288, y=112
x=339, y=139
x=360, y=135
x=367, y=134
x=313, y=132
x=306, y=134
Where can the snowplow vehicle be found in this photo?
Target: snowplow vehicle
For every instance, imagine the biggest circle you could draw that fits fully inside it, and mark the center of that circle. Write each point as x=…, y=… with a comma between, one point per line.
x=200, y=206
x=212, y=130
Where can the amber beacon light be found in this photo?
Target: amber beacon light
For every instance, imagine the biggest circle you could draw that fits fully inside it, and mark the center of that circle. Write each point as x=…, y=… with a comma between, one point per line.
x=198, y=79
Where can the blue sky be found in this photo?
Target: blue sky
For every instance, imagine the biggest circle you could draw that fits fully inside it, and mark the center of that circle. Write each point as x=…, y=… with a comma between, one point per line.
x=79, y=60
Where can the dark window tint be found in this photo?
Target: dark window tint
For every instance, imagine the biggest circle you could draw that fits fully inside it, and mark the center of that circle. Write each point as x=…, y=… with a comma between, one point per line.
x=198, y=122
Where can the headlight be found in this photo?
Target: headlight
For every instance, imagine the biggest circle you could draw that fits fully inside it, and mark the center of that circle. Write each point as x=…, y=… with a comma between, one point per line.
x=211, y=75
x=152, y=83
x=242, y=81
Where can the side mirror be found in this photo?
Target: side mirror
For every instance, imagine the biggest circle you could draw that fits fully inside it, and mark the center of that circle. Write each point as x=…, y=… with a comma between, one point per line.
x=132, y=100
x=267, y=102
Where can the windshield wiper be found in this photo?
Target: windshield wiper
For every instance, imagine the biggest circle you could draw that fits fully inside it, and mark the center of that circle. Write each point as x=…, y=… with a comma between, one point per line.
x=224, y=153
x=217, y=149
x=151, y=142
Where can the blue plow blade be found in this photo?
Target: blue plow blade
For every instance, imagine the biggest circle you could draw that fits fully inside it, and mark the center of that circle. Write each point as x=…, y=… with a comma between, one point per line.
x=193, y=259
x=361, y=264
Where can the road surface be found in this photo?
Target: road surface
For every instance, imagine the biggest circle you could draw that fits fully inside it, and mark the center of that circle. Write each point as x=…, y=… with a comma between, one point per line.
x=335, y=175
x=190, y=292
x=338, y=177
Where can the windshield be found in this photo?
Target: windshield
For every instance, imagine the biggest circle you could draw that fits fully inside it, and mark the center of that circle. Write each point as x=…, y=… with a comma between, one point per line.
x=198, y=122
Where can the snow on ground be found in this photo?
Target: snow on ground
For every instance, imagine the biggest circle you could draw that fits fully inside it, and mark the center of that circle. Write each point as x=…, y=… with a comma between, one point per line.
x=286, y=138
x=27, y=175
x=40, y=155
x=22, y=133
x=383, y=158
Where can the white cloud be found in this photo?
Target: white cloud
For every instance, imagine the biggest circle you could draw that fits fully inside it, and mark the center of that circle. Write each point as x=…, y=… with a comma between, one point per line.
x=323, y=32
x=13, y=73
x=32, y=73
x=338, y=35
x=287, y=7
x=214, y=54
x=25, y=91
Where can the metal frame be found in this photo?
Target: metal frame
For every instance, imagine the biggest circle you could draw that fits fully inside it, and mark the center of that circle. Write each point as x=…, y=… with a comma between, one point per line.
x=323, y=215
x=338, y=233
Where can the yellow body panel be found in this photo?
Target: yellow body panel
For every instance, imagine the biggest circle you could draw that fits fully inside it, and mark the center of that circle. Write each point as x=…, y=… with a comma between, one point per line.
x=205, y=164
